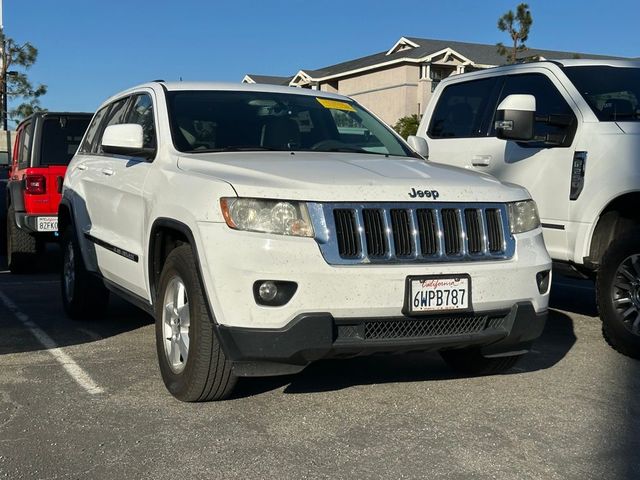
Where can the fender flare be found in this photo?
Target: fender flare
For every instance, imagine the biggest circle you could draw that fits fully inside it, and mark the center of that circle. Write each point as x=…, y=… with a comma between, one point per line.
x=186, y=231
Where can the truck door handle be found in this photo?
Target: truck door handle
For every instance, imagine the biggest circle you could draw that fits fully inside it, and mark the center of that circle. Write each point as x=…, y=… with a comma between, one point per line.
x=107, y=171
x=481, y=160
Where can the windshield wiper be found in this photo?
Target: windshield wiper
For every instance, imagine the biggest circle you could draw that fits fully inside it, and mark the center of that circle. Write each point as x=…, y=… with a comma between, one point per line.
x=344, y=149
x=255, y=148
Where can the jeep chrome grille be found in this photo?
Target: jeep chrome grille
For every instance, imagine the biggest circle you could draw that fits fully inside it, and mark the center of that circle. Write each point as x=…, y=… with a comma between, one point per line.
x=411, y=232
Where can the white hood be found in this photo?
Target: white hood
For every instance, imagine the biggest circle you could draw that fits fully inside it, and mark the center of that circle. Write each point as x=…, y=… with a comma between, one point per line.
x=346, y=177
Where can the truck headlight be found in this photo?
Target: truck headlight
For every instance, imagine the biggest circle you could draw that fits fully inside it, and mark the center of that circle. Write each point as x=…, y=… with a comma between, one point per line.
x=523, y=216
x=267, y=216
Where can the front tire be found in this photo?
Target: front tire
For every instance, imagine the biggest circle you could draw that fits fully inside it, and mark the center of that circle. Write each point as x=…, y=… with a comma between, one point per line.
x=470, y=361
x=21, y=247
x=192, y=362
x=618, y=292
x=84, y=296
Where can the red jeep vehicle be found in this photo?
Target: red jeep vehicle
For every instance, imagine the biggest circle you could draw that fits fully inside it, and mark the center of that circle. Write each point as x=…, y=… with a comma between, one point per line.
x=44, y=146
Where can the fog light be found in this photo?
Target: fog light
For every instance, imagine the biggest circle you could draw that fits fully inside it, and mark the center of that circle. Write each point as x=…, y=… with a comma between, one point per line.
x=268, y=291
x=543, y=278
x=273, y=293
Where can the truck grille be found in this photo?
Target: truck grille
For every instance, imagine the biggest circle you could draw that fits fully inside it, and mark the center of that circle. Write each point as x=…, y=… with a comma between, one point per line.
x=401, y=233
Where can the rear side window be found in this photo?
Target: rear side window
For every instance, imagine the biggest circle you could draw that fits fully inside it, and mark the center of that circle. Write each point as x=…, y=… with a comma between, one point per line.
x=462, y=110
x=24, y=150
x=60, y=139
x=92, y=131
x=554, y=117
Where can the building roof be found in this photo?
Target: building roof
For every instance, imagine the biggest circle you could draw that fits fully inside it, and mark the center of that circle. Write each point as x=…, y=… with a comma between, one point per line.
x=414, y=50
x=268, y=79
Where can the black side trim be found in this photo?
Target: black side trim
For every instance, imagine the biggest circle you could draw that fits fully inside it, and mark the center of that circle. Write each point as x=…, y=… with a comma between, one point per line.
x=101, y=243
x=553, y=226
x=130, y=297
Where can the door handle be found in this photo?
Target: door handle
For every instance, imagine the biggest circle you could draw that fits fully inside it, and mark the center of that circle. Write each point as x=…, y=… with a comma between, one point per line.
x=81, y=166
x=481, y=160
x=108, y=172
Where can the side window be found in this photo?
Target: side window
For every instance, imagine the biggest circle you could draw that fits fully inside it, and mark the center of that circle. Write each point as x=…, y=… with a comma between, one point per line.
x=115, y=116
x=462, y=110
x=92, y=131
x=141, y=112
x=554, y=118
x=24, y=151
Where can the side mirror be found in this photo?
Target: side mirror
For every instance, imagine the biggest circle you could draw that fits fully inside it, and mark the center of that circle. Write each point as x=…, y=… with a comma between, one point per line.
x=515, y=117
x=126, y=139
x=419, y=145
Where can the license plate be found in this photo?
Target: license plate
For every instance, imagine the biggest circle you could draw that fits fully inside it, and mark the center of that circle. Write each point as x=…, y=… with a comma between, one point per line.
x=437, y=294
x=47, y=224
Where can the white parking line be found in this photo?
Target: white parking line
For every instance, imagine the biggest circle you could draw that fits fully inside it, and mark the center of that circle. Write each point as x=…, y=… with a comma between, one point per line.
x=81, y=377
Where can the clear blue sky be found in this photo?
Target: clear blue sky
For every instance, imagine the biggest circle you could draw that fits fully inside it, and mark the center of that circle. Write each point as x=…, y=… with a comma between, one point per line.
x=91, y=49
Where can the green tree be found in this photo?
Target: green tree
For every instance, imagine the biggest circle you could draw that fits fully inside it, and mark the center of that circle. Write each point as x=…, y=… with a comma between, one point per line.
x=18, y=87
x=407, y=125
x=517, y=26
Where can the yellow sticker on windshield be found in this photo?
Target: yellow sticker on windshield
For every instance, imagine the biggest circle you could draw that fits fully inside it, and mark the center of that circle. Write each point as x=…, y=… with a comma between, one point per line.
x=335, y=104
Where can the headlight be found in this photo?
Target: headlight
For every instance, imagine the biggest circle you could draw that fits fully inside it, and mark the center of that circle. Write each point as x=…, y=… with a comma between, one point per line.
x=523, y=216
x=268, y=216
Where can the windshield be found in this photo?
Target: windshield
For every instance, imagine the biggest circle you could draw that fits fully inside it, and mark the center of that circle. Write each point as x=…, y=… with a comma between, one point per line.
x=613, y=93
x=216, y=121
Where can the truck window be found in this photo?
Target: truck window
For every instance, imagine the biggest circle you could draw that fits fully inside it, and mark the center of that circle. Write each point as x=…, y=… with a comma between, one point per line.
x=613, y=93
x=461, y=110
x=549, y=103
x=60, y=139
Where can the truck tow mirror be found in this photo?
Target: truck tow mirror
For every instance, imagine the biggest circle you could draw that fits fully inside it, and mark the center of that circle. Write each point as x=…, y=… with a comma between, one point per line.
x=419, y=145
x=515, y=117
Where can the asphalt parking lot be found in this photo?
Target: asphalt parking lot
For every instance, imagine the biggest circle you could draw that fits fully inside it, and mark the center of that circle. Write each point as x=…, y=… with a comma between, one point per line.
x=85, y=400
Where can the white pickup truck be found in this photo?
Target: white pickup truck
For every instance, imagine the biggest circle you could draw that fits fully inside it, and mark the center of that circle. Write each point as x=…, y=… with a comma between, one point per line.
x=568, y=131
x=268, y=227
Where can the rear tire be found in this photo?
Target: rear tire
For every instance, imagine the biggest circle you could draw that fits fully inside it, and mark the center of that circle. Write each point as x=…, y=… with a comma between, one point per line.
x=84, y=296
x=471, y=362
x=192, y=362
x=21, y=246
x=618, y=293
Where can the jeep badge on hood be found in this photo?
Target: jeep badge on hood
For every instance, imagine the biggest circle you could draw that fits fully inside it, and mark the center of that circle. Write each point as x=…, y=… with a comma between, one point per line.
x=424, y=193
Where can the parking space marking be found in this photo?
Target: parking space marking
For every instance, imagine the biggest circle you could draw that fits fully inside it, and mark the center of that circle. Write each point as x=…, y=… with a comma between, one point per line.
x=76, y=372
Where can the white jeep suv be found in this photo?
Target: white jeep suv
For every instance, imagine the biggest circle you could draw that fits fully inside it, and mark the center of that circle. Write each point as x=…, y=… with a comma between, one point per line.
x=267, y=227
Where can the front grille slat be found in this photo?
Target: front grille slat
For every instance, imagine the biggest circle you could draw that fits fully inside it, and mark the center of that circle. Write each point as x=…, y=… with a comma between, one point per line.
x=401, y=229
x=451, y=231
x=494, y=230
x=474, y=235
x=412, y=232
x=374, y=232
x=346, y=232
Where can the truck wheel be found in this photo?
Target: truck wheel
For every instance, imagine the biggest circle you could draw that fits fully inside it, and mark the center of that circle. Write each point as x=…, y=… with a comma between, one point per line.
x=618, y=292
x=21, y=247
x=192, y=363
x=471, y=362
x=84, y=296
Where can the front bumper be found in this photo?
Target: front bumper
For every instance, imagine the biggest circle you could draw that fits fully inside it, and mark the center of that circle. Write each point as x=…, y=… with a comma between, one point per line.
x=314, y=336
x=232, y=261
